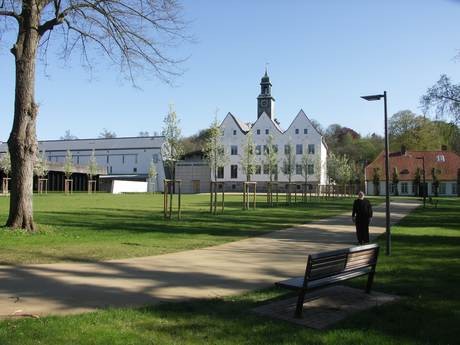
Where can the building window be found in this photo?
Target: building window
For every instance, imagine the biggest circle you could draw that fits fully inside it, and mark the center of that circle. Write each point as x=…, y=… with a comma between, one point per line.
x=296, y=131
x=134, y=169
x=123, y=159
x=266, y=169
x=310, y=169
x=220, y=172
x=258, y=169
x=440, y=158
x=275, y=148
x=233, y=171
x=298, y=169
x=107, y=159
x=287, y=149
x=234, y=150
x=454, y=188
x=267, y=131
x=234, y=132
x=311, y=149
x=258, y=131
x=442, y=188
x=299, y=149
x=404, y=188
x=285, y=168
x=305, y=131
x=414, y=188
x=265, y=151
x=155, y=158
x=135, y=159
x=110, y=169
x=258, y=150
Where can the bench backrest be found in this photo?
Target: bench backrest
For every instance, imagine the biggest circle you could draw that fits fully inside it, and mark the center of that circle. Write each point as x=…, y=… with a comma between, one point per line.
x=327, y=264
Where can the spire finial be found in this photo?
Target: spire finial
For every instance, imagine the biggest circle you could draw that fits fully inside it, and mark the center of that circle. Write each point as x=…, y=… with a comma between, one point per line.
x=266, y=69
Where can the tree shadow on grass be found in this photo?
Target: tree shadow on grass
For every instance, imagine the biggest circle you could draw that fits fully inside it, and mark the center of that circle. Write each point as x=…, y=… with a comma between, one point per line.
x=233, y=223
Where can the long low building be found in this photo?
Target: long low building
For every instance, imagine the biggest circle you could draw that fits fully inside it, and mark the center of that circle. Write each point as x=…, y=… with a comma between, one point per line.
x=126, y=158
x=409, y=167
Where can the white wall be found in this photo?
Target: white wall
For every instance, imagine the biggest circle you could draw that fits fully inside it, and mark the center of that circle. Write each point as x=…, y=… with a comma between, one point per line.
x=119, y=187
x=280, y=138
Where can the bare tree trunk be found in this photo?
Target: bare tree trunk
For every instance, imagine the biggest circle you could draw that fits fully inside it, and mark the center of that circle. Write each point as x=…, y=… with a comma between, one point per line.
x=22, y=142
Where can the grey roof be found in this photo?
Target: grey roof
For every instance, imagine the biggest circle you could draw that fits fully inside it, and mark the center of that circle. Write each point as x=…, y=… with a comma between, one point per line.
x=97, y=144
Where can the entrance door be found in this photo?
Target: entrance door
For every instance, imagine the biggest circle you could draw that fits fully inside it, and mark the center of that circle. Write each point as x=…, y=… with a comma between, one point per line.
x=196, y=186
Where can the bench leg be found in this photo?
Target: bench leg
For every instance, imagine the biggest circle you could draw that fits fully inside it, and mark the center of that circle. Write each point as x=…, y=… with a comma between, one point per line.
x=370, y=280
x=299, y=306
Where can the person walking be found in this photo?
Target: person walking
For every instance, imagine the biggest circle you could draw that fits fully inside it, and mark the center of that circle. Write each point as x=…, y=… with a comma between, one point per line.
x=362, y=215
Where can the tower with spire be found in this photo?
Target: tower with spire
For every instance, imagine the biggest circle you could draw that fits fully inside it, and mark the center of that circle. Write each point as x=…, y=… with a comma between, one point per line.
x=265, y=101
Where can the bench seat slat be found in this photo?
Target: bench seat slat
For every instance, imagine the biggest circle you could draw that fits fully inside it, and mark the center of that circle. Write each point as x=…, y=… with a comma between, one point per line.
x=297, y=282
x=360, y=263
x=326, y=271
x=329, y=258
x=315, y=264
x=357, y=249
x=338, y=278
x=292, y=283
x=360, y=255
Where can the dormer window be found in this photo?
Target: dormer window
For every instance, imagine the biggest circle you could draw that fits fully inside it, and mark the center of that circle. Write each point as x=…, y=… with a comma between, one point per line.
x=305, y=131
x=267, y=131
x=296, y=131
x=258, y=131
x=440, y=158
x=234, y=132
x=404, y=172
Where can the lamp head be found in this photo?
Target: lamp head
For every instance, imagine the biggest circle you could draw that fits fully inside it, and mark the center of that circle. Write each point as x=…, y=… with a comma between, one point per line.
x=372, y=97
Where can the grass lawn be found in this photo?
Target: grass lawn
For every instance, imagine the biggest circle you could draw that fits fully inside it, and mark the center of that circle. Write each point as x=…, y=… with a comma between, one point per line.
x=424, y=270
x=86, y=227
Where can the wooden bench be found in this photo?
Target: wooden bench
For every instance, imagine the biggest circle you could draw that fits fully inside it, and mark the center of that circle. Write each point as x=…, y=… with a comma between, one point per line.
x=333, y=267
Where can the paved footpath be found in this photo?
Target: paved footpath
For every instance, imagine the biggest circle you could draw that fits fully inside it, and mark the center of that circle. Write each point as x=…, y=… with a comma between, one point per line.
x=227, y=269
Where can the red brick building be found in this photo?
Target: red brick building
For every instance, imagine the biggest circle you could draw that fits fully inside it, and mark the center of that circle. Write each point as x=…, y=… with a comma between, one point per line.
x=409, y=165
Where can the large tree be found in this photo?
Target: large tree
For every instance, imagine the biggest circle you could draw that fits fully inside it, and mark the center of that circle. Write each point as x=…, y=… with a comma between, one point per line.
x=68, y=136
x=444, y=98
x=106, y=134
x=131, y=33
x=414, y=132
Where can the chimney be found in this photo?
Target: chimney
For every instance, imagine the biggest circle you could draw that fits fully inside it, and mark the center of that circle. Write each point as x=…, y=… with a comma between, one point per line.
x=403, y=150
x=443, y=147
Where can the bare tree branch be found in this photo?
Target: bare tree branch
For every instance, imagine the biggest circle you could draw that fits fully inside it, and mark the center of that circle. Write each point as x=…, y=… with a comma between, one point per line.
x=10, y=14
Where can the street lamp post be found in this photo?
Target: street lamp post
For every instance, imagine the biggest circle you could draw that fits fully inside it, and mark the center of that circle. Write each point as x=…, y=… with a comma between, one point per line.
x=387, y=167
x=424, y=189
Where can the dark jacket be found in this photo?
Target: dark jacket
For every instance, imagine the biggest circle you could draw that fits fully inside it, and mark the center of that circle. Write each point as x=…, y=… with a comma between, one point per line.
x=362, y=209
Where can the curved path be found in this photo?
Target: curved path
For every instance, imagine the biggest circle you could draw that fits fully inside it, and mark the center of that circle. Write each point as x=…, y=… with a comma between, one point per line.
x=226, y=269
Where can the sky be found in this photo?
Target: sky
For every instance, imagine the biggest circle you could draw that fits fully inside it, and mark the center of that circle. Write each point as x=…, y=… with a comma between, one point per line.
x=322, y=56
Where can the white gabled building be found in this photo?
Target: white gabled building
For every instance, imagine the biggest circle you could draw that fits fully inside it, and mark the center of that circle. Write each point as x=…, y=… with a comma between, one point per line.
x=301, y=134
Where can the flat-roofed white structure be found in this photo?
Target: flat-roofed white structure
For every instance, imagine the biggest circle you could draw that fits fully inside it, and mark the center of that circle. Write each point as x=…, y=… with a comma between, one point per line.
x=128, y=157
